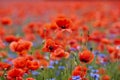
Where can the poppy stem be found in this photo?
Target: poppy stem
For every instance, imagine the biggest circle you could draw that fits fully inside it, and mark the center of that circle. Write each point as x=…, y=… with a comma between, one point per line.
x=76, y=58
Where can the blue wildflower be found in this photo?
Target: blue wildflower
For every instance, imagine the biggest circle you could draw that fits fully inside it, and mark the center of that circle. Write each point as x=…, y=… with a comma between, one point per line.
x=90, y=67
x=35, y=73
x=96, y=52
x=51, y=67
x=95, y=76
x=76, y=78
x=61, y=67
x=51, y=79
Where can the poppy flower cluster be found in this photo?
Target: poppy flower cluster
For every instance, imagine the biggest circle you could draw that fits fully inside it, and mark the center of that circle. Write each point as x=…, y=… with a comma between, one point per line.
x=80, y=71
x=20, y=46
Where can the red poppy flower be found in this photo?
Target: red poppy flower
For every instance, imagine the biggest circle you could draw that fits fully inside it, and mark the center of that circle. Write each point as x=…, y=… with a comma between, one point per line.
x=58, y=54
x=1, y=73
x=80, y=71
x=29, y=36
x=2, y=32
x=105, y=77
x=73, y=43
x=30, y=79
x=20, y=46
x=19, y=62
x=86, y=56
x=111, y=49
x=33, y=65
x=84, y=28
x=101, y=71
x=63, y=22
x=15, y=73
x=38, y=56
x=117, y=41
x=51, y=26
x=96, y=36
x=50, y=46
x=4, y=65
x=44, y=33
x=30, y=28
x=44, y=63
x=11, y=38
x=105, y=41
x=6, y=21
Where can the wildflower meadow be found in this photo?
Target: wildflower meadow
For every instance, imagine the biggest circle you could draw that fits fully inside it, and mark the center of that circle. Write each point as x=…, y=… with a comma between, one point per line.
x=59, y=40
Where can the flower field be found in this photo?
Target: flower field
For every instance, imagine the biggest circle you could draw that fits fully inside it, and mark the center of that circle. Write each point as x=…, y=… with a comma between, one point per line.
x=59, y=40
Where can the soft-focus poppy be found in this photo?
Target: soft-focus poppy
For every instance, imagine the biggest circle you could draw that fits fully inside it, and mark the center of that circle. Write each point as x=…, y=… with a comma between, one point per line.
x=63, y=22
x=117, y=41
x=19, y=62
x=30, y=28
x=38, y=56
x=101, y=71
x=15, y=73
x=20, y=46
x=32, y=65
x=74, y=44
x=80, y=71
x=86, y=56
x=105, y=41
x=1, y=73
x=30, y=79
x=44, y=63
x=2, y=32
x=51, y=26
x=4, y=66
x=50, y=46
x=96, y=36
x=58, y=54
x=111, y=49
x=11, y=38
x=29, y=36
x=6, y=21
x=105, y=77
x=44, y=33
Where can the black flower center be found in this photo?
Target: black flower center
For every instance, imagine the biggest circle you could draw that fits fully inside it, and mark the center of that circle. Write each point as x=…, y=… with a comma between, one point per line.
x=51, y=48
x=84, y=60
x=63, y=27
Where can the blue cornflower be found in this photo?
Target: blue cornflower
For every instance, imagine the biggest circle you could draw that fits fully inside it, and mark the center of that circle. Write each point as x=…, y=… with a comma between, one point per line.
x=51, y=67
x=90, y=67
x=51, y=79
x=76, y=78
x=35, y=73
x=101, y=55
x=52, y=62
x=73, y=49
x=94, y=71
x=96, y=52
x=95, y=76
x=61, y=67
x=56, y=62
